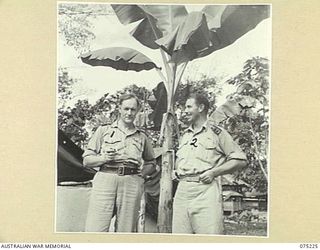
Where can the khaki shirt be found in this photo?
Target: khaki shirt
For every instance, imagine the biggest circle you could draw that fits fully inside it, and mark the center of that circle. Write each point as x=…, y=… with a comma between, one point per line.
x=209, y=147
x=133, y=147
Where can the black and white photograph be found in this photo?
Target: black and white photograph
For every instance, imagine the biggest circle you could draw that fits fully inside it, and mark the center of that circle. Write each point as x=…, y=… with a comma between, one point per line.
x=163, y=118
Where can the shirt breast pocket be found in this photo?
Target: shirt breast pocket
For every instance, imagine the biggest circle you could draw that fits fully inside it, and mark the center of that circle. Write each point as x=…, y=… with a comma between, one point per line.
x=182, y=151
x=135, y=146
x=111, y=144
x=209, y=150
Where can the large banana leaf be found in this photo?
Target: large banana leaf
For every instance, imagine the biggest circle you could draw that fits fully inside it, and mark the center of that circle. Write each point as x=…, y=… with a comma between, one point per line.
x=226, y=110
x=190, y=40
x=214, y=28
x=236, y=20
x=168, y=16
x=232, y=107
x=119, y=58
x=156, y=20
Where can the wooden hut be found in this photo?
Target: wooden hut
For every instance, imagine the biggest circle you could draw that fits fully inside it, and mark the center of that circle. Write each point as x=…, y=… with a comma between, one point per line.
x=232, y=202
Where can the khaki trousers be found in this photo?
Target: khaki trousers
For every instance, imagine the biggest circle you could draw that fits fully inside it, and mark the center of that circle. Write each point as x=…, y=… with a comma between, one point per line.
x=111, y=192
x=197, y=208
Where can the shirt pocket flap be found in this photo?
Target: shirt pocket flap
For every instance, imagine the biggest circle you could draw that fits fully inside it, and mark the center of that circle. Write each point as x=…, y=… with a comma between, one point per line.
x=211, y=147
x=209, y=143
x=110, y=140
x=137, y=142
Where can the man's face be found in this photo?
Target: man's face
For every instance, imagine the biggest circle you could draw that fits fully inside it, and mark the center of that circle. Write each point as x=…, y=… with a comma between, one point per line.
x=192, y=111
x=128, y=110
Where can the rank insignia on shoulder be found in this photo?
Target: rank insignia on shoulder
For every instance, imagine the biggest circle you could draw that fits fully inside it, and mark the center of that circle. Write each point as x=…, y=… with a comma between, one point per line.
x=141, y=131
x=216, y=130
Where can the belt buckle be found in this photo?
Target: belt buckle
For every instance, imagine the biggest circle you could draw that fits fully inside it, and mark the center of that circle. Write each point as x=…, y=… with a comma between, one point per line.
x=121, y=170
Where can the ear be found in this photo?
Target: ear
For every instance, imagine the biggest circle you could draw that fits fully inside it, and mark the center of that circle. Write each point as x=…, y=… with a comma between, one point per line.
x=201, y=108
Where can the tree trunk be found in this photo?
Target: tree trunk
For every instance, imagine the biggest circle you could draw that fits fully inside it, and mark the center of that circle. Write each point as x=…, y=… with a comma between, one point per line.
x=255, y=144
x=142, y=214
x=165, y=200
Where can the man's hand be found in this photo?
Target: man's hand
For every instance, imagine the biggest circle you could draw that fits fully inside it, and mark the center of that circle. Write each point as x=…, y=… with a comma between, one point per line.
x=148, y=169
x=109, y=156
x=208, y=176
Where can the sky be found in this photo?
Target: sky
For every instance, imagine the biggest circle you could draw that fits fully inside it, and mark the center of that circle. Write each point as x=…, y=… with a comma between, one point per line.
x=96, y=81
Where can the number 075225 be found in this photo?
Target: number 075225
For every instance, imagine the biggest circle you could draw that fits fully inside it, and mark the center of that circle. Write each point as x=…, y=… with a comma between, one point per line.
x=309, y=246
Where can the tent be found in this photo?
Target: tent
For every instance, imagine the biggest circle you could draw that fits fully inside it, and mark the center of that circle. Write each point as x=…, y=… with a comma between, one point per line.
x=70, y=166
x=73, y=191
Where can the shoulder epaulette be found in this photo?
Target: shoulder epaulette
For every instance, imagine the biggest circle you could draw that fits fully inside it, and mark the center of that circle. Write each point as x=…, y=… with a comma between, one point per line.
x=142, y=131
x=104, y=128
x=216, y=129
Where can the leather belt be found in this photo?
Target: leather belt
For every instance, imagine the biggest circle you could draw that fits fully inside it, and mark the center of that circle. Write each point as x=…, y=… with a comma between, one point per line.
x=190, y=178
x=120, y=169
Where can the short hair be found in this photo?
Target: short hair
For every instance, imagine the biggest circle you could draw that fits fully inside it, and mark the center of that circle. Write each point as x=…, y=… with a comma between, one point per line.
x=201, y=99
x=129, y=96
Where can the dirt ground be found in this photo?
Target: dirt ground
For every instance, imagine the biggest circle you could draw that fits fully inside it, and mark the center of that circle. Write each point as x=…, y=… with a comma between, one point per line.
x=71, y=210
x=250, y=229
x=72, y=205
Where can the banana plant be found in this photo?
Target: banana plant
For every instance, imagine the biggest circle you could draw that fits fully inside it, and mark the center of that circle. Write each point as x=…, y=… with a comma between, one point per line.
x=180, y=37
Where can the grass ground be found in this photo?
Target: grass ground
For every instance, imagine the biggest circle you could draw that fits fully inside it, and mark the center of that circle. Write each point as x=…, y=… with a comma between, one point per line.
x=251, y=229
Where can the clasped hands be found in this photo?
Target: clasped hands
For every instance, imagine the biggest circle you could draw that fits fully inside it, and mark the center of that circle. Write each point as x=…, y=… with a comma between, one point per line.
x=109, y=155
x=208, y=176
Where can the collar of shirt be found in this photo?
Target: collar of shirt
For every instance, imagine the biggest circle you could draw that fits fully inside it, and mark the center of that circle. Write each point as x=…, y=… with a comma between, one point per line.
x=116, y=125
x=204, y=127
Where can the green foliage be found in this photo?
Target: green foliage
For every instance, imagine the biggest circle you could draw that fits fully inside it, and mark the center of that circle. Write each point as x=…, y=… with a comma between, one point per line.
x=71, y=120
x=253, y=81
x=250, y=126
x=79, y=121
x=206, y=86
x=65, y=84
x=75, y=23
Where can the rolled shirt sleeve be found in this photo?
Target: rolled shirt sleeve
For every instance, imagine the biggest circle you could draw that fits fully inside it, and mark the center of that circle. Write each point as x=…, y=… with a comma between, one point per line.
x=229, y=147
x=149, y=164
x=148, y=153
x=94, y=144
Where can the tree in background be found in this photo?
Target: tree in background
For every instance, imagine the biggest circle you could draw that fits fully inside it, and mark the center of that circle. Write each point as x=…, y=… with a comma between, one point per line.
x=180, y=37
x=71, y=120
x=205, y=85
x=75, y=23
x=65, y=86
x=246, y=116
x=80, y=121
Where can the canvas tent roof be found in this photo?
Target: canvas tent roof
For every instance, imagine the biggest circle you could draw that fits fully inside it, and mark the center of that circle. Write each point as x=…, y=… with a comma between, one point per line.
x=70, y=170
x=69, y=162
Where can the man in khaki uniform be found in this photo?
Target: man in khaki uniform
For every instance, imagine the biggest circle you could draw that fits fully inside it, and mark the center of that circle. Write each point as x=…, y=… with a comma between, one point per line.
x=119, y=150
x=205, y=153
